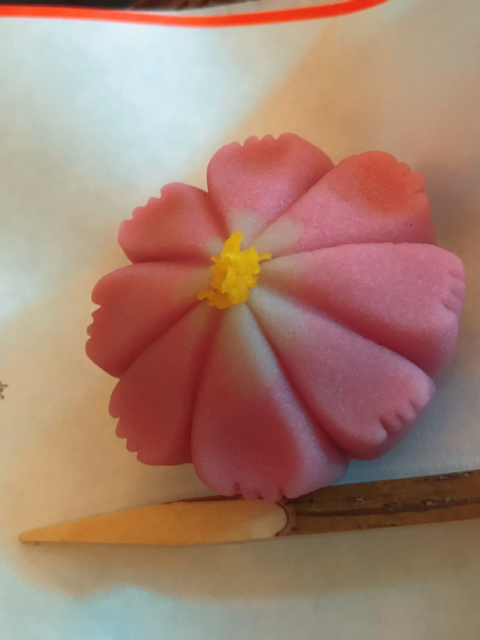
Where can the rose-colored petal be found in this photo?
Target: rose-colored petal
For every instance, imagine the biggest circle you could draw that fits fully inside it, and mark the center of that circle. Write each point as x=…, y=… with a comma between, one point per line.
x=155, y=396
x=407, y=297
x=364, y=396
x=366, y=198
x=254, y=184
x=180, y=226
x=138, y=304
x=251, y=433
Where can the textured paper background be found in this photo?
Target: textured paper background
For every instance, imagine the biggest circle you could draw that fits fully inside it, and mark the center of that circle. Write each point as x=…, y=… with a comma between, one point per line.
x=94, y=118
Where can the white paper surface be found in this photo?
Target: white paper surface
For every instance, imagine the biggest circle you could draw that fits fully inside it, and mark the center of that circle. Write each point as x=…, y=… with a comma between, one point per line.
x=94, y=118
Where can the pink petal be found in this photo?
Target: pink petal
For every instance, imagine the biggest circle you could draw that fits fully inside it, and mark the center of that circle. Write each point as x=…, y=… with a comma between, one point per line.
x=138, y=304
x=407, y=297
x=252, y=185
x=364, y=396
x=251, y=433
x=366, y=198
x=154, y=398
x=180, y=225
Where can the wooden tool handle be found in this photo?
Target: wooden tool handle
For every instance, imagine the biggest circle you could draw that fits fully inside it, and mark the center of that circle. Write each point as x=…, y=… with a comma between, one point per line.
x=387, y=503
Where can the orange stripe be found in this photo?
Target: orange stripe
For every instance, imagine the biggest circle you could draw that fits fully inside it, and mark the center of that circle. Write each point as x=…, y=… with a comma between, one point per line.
x=184, y=20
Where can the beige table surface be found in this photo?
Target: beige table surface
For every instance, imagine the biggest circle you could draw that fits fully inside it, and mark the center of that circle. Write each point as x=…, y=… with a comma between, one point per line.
x=94, y=118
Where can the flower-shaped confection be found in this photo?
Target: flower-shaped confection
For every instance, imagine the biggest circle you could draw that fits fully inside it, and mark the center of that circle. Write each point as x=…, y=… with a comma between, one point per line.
x=313, y=338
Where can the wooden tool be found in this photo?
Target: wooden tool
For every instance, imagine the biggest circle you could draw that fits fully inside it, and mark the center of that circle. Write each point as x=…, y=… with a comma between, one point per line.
x=369, y=505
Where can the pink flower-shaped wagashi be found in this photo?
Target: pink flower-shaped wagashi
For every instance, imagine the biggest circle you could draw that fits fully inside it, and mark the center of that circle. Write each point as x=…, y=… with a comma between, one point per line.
x=315, y=339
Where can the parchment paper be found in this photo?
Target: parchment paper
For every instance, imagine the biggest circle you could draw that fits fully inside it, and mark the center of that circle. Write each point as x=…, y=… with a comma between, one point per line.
x=94, y=118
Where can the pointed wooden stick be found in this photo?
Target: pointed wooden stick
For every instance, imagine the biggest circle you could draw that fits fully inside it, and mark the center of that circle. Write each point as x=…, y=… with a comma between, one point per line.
x=369, y=505
x=202, y=521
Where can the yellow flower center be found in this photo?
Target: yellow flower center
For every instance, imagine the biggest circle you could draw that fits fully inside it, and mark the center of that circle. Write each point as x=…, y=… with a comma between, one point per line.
x=235, y=272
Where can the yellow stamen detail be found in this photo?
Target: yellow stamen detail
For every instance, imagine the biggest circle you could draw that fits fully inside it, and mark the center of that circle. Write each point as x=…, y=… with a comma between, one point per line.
x=235, y=272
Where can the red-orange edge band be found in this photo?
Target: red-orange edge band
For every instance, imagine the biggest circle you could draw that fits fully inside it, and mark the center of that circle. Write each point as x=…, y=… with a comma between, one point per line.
x=185, y=20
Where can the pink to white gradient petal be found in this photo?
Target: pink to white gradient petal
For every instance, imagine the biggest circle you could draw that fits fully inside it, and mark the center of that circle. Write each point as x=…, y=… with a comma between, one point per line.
x=253, y=184
x=366, y=198
x=154, y=399
x=407, y=297
x=181, y=225
x=252, y=433
x=364, y=396
x=137, y=305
